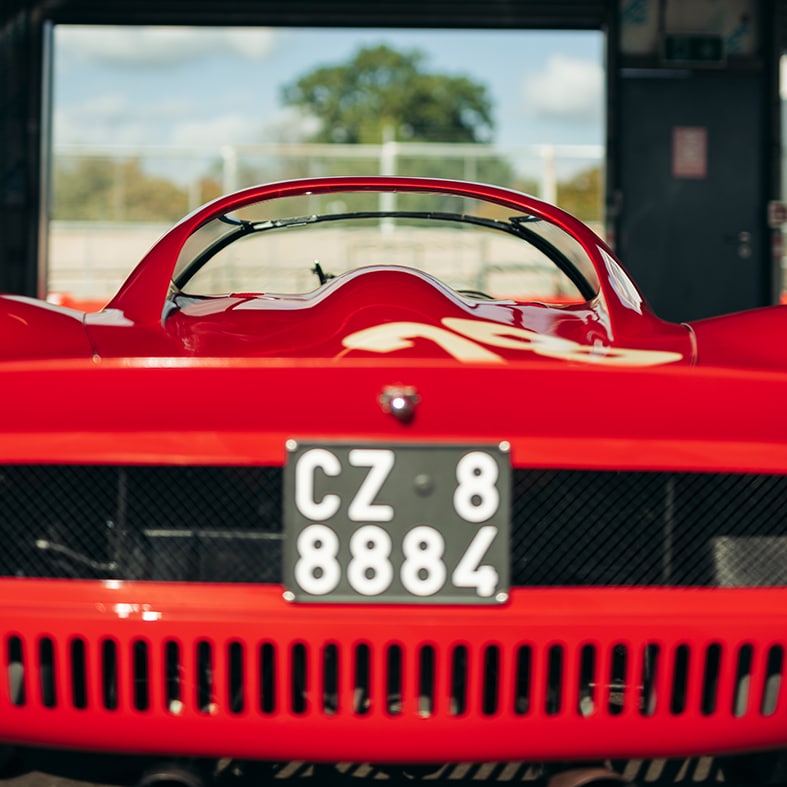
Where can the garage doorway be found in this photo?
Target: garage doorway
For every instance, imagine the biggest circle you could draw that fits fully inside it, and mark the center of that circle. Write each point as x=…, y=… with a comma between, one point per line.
x=149, y=122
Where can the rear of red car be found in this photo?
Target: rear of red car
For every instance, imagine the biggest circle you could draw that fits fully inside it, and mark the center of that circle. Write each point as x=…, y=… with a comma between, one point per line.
x=172, y=588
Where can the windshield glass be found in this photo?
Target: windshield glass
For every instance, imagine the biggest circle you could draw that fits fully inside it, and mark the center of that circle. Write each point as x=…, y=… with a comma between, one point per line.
x=294, y=244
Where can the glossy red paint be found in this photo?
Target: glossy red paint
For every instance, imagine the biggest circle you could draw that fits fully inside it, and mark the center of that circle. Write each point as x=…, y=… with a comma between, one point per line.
x=318, y=324
x=138, y=322
x=143, y=296
x=34, y=329
x=158, y=378
x=244, y=410
x=270, y=722
x=743, y=340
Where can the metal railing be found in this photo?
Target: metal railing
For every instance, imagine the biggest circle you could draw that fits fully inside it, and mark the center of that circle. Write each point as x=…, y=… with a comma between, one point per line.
x=88, y=257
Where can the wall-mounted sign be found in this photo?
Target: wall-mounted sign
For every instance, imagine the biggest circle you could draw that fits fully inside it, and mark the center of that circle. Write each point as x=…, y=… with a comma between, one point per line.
x=690, y=152
x=777, y=214
x=698, y=34
x=690, y=49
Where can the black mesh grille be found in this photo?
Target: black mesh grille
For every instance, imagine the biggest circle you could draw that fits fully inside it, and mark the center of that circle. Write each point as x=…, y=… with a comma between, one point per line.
x=223, y=524
x=624, y=528
x=218, y=524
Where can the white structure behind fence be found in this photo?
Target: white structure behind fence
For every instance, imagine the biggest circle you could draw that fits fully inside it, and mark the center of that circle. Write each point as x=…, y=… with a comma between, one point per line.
x=89, y=259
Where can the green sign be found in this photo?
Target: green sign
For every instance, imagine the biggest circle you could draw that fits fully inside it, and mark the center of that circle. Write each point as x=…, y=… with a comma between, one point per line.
x=693, y=48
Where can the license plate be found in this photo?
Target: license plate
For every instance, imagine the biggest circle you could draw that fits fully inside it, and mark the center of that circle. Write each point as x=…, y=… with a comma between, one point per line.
x=397, y=524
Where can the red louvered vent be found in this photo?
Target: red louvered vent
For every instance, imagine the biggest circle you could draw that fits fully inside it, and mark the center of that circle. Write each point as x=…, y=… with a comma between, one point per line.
x=301, y=678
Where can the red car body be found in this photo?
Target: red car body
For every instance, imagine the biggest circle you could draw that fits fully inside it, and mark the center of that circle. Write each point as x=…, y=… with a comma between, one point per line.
x=684, y=656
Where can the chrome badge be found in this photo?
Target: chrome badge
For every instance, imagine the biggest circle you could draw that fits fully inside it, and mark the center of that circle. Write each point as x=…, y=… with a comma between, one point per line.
x=400, y=401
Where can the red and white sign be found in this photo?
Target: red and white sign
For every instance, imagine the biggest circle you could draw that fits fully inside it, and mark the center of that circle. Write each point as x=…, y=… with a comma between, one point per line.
x=690, y=152
x=777, y=214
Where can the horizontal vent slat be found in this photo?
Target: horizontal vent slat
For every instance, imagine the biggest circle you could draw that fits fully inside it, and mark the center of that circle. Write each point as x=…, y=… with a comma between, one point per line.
x=588, y=681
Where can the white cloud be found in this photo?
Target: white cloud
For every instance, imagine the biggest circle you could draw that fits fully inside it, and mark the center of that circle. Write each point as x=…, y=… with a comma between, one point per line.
x=290, y=124
x=104, y=108
x=162, y=46
x=117, y=119
x=110, y=120
x=99, y=118
x=215, y=132
x=569, y=89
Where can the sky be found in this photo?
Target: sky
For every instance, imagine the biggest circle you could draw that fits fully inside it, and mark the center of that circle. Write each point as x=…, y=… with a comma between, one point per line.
x=209, y=87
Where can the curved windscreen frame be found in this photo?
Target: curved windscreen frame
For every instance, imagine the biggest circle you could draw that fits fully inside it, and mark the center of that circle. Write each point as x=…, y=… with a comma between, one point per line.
x=467, y=243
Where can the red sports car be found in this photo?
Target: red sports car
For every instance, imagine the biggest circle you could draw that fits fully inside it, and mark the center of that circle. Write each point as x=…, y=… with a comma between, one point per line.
x=397, y=471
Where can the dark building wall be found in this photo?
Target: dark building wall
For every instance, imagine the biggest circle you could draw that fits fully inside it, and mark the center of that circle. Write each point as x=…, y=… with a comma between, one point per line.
x=20, y=160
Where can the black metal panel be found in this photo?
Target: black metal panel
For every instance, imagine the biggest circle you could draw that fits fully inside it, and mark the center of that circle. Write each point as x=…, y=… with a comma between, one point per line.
x=223, y=524
x=684, y=231
x=557, y=14
x=21, y=76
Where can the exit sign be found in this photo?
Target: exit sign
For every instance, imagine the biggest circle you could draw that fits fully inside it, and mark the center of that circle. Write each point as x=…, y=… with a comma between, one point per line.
x=696, y=48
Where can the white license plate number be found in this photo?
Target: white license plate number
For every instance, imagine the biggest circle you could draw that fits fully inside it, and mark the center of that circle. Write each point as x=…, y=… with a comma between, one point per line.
x=397, y=524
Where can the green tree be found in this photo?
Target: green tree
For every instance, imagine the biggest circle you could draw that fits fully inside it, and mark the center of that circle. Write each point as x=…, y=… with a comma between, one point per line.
x=102, y=189
x=381, y=91
x=582, y=194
